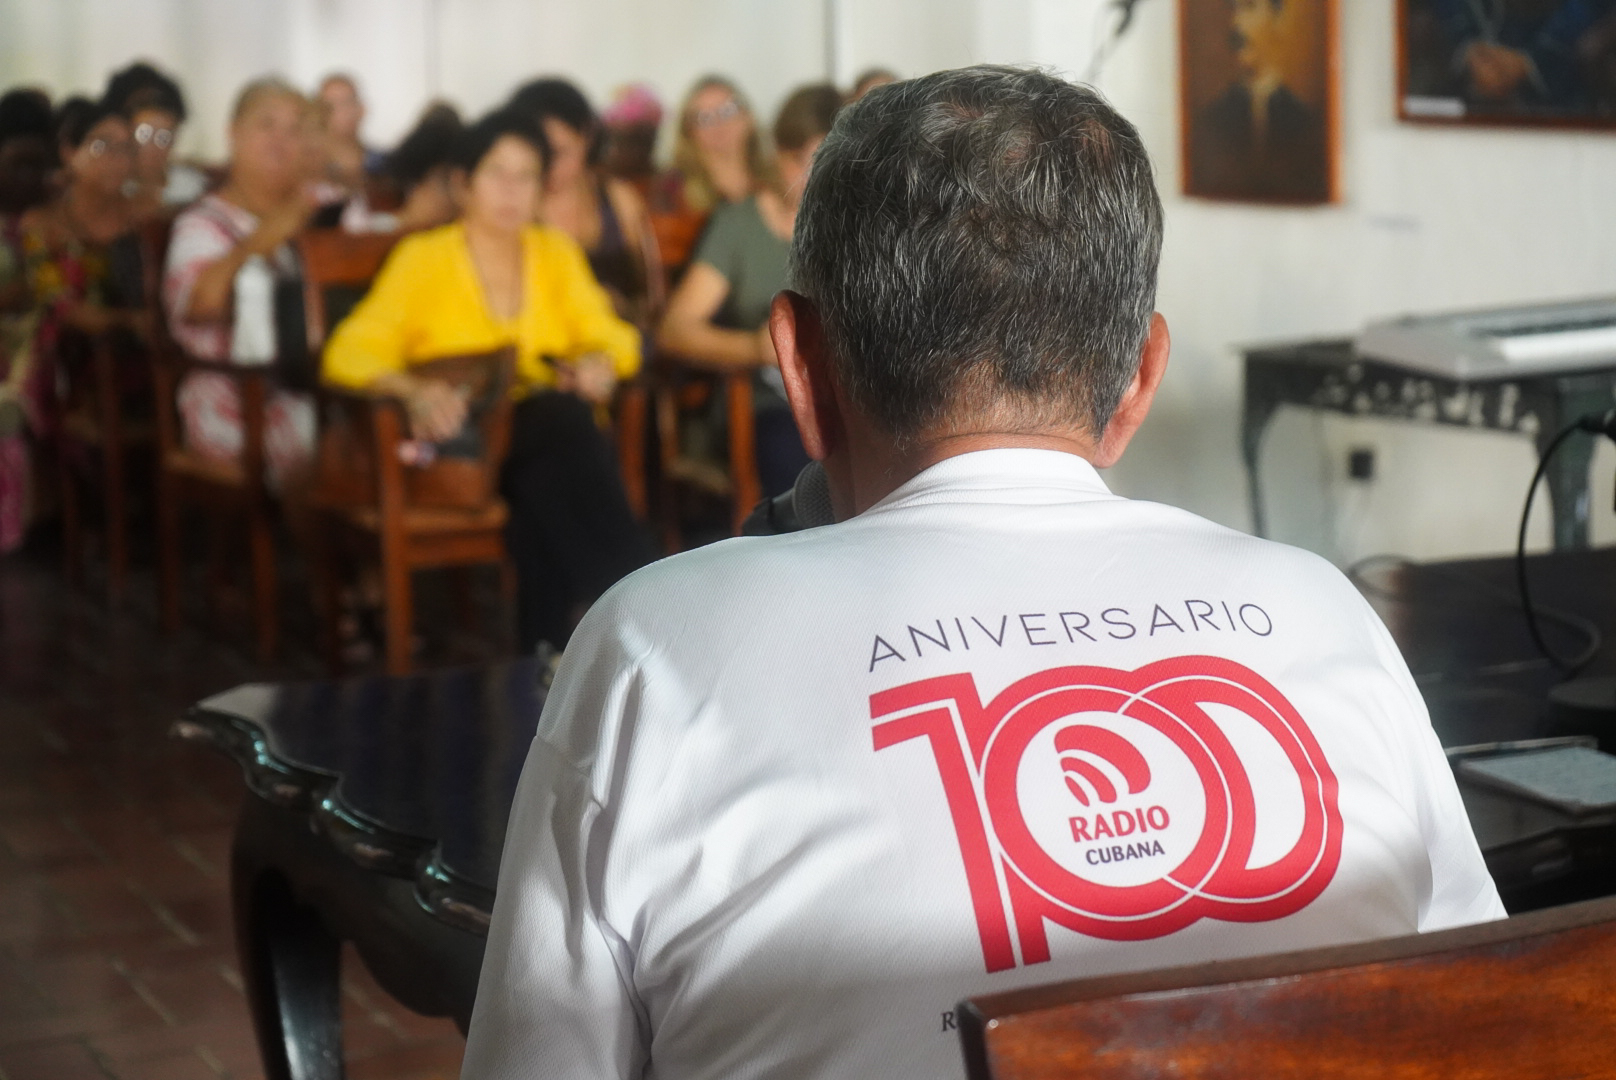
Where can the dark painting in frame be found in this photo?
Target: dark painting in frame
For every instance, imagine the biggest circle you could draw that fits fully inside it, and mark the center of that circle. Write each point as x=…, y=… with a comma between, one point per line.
x=1516, y=63
x=1258, y=96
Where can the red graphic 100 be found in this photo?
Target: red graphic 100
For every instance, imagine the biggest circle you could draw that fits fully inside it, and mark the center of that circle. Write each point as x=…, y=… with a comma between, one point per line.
x=1120, y=804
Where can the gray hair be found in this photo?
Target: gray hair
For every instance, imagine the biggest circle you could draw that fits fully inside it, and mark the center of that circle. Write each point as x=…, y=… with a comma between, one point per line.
x=981, y=243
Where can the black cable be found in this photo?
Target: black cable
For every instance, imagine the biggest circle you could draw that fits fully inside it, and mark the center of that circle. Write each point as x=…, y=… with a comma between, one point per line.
x=1593, y=423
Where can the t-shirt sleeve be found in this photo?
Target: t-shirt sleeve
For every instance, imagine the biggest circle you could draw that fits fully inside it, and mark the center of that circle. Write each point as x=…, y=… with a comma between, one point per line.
x=720, y=243
x=371, y=340
x=555, y=996
x=1462, y=890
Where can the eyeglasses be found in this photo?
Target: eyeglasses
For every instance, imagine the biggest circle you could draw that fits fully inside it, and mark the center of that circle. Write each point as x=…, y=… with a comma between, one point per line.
x=162, y=138
x=102, y=147
x=706, y=118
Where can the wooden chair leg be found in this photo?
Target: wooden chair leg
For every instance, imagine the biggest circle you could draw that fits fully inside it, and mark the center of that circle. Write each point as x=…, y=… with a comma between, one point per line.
x=72, y=526
x=463, y=590
x=168, y=553
x=398, y=607
x=117, y=530
x=507, y=595
x=266, y=615
x=218, y=568
x=327, y=593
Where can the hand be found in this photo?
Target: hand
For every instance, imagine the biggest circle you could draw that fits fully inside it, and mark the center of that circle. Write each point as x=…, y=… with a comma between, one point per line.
x=765, y=346
x=593, y=378
x=1496, y=71
x=436, y=410
x=280, y=225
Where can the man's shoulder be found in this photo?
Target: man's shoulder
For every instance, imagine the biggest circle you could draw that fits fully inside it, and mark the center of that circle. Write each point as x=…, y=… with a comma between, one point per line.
x=718, y=582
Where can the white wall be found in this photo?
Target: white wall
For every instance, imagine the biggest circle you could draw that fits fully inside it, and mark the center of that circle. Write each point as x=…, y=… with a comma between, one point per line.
x=404, y=52
x=1430, y=218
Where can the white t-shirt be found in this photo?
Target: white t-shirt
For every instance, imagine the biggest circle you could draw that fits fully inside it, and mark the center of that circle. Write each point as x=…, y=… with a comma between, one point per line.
x=793, y=798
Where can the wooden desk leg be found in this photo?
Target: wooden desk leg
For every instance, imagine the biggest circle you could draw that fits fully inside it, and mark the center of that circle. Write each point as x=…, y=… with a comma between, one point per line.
x=1259, y=410
x=291, y=968
x=1567, y=477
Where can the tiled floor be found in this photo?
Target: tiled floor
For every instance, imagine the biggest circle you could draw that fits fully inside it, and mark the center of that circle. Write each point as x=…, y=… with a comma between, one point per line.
x=116, y=959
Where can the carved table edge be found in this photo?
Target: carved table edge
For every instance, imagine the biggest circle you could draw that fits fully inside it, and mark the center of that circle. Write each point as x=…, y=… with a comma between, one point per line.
x=368, y=844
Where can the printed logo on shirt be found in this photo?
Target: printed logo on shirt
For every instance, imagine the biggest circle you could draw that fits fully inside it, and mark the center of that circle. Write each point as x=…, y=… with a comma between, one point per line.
x=1121, y=804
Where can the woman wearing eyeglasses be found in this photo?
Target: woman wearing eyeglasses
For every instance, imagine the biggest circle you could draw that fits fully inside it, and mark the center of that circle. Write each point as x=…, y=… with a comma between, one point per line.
x=155, y=109
x=717, y=159
x=57, y=253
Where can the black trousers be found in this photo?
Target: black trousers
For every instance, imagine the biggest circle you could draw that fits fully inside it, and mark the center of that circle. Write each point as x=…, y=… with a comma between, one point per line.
x=571, y=532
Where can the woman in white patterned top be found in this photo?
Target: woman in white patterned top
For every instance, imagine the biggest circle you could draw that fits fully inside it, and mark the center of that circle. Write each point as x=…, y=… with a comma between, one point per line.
x=262, y=205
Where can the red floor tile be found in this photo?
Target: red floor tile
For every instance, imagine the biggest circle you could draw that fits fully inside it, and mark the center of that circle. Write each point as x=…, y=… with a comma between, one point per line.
x=63, y=1060
x=117, y=955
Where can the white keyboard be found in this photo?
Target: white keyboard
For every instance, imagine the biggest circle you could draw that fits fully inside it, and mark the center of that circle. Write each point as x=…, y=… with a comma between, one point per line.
x=1500, y=342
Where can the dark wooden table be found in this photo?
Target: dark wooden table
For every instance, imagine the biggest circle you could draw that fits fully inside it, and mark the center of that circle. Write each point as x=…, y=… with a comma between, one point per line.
x=1329, y=375
x=381, y=803
x=378, y=818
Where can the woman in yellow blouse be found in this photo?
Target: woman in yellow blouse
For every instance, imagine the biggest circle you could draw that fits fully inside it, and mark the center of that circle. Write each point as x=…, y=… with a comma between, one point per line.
x=491, y=279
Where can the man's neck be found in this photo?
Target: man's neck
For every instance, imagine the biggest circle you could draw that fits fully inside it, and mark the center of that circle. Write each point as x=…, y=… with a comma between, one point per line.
x=874, y=466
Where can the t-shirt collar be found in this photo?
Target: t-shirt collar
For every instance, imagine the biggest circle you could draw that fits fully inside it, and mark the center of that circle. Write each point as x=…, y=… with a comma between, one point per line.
x=1017, y=475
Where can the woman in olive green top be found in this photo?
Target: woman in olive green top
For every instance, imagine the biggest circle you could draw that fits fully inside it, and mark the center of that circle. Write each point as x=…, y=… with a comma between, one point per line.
x=718, y=316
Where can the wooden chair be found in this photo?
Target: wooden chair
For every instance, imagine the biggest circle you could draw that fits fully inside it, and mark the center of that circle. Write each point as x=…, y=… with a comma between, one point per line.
x=1532, y=996
x=338, y=268
x=227, y=492
x=682, y=387
x=676, y=235
x=96, y=424
x=94, y=427
x=445, y=514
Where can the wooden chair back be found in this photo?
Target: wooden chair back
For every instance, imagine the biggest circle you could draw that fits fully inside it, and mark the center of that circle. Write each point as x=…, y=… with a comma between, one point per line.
x=1532, y=996
x=338, y=268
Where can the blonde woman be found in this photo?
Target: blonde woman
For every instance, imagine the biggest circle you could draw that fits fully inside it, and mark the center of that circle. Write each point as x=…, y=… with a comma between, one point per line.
x=718, y=316
x=718, y=159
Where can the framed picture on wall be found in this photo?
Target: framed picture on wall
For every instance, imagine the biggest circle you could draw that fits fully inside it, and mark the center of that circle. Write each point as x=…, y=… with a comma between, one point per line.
x=1513, y=62
x=1257, y=80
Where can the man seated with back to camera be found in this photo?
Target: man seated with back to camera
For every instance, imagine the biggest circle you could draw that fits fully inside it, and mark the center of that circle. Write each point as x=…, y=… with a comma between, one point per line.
x=793, y=797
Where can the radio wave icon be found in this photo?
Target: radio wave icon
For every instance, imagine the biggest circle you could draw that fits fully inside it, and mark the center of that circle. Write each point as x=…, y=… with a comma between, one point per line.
x=1109, y=747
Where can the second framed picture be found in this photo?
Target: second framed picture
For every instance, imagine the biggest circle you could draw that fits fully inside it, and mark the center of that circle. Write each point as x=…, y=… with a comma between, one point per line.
x=1257, y=81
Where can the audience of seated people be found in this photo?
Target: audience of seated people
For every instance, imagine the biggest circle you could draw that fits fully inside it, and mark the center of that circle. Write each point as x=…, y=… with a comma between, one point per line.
x=606, y=216
x=719, y=313
x=493, y=278
x=568, y=286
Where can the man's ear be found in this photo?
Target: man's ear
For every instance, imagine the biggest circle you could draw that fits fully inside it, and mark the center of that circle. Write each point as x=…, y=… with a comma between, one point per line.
x=1136, y=401
x=799, y=343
